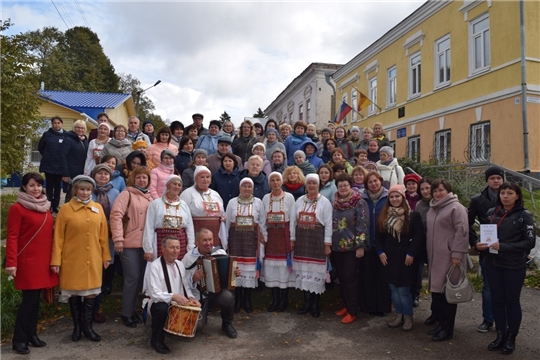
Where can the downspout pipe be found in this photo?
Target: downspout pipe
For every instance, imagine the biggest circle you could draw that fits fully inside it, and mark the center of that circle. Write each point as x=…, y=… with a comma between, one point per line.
x=327, y=77
x=527, y=167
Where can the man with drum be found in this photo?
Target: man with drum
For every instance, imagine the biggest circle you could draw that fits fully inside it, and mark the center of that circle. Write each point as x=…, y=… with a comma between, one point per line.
x=204, y=242
x=165, y=285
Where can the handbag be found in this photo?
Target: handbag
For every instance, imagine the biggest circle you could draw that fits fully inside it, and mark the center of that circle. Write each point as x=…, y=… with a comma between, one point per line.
x=48, y=295
x=125, y=217
x=460, y=292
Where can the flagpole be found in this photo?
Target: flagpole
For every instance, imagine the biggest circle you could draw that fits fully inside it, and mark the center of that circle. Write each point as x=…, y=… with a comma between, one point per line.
x=353, y=109
x=377, y=106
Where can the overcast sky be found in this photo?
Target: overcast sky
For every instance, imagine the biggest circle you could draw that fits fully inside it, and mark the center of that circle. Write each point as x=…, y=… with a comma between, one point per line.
x=217, y=56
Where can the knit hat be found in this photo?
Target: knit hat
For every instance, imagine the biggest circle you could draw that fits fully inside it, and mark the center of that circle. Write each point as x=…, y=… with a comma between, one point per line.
x=275, y=173
x=166, y=152
x=494, y=170
x=388, y=150
x=312, y=176
x=88, y=179
x=199, y=152
x=176, y=125
x=197, y=115
x=355, y=128
x=412, y=177
x=368, y=163
x=138, y=144
x=200, y=169
x=272, y=130
x=100, y=167
x=171, y=178
x=215, y=122
x=225, y=138
x=246, y=179
x=328, y=130
x=300, y=153
x=397, y=188
x=147, y=122
x=259, y=144
x=105, y=124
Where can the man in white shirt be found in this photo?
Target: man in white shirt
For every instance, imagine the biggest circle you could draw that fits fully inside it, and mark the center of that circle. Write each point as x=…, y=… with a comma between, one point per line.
x=166, y=286
x=204, y=241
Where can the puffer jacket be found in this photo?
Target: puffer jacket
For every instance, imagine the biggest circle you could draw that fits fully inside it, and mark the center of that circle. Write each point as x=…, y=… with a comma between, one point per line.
x=158, y=181
x=516, y=237
x=315, y=160
x=132, y=238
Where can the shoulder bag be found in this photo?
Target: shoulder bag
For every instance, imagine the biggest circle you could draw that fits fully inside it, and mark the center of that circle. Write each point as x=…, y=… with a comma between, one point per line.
x=460, y=292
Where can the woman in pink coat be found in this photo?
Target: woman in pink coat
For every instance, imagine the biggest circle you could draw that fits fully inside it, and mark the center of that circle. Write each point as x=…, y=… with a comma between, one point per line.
x=447, y=245
x=163, y=141
x=28, y=253
x=159, y=175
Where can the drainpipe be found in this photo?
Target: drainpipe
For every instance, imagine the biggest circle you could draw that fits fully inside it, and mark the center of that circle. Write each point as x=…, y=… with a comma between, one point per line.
x=327, y=77
x=524, y=88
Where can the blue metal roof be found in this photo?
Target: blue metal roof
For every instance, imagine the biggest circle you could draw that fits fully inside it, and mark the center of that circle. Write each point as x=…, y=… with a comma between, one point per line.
x=79, y=100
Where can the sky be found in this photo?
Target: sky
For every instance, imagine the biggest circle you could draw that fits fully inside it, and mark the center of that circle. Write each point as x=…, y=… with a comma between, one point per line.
x=217, y=56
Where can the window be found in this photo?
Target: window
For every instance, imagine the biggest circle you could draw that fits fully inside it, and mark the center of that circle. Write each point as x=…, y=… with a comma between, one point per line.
x=391, y=87
x=393, y=145
x=442, y=146
x=35, y=156
x=345, y=99
x=413, y=148
x=308, y=108
x=480, y=142
x=291, y=117
x=354, y=104
x=442, y=61
x=479, y=46
x=372, y=95
x=415, y=75
x=300, y=112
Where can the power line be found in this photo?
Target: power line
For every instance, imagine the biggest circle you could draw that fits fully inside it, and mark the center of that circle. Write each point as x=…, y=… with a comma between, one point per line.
x=60, y=14
x=66, y=13
x=82, y=13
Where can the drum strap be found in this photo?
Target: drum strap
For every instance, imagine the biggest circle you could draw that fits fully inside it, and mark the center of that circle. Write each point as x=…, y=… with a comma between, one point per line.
x=166, y=275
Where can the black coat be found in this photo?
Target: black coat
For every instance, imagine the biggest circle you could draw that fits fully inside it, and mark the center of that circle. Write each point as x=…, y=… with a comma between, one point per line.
x=226, y=184
x=75, y=151
x=412, y=243
x=51, y=147
x=182, y=160
x=479, y=207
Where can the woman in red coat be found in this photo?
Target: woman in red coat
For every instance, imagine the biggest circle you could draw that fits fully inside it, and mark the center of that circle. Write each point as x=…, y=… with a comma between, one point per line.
x=28, y=254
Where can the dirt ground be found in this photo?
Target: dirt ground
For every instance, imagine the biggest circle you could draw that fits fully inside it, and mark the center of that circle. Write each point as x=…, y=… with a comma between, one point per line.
x=263, y=335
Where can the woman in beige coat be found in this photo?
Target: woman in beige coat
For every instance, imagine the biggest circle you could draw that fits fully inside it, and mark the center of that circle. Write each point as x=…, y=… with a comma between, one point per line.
x=133, y=202
x=80, y=252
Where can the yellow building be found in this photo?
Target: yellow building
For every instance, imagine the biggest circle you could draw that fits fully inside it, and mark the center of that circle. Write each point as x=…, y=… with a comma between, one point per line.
x=448, y=83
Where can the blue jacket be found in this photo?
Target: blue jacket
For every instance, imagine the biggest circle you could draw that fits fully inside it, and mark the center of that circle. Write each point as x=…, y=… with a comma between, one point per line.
x=50, y=147
x=75, y=151
x=118, y=181
x=227, y=185
x=182, y=160
x=291, y=147
x=329, y=190
x=313, y=159
x=209, y=143
x=374, y=211
x=261, y=186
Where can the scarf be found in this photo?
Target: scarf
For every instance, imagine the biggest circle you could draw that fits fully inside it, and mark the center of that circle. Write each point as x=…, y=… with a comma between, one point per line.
x=279, y=168
x=348, y=202
x=293, y=187
x=297, y=139
x=40, y=204
x=103, y=199
x=386, y=163
x=82, y=137
x=143, y=190
x=375, y=196
x=394, y=221
x=84, y=202
x=58, y=131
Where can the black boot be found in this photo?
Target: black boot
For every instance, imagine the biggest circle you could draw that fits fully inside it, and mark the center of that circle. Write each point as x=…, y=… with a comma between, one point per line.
x=75, y=308
x=509, y=344
x=315, y=308
x=307, y=303
x=283, y=300
x=238, y=299
x=247, y=300
x=436, y=330
x=498, y=342
x=21, y=348
x=88, y=317
x=275, y=300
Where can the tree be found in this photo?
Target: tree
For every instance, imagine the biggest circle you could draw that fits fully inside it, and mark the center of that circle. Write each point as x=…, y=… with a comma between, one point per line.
x=20, y=101
x=224, y=117
x=259, y=114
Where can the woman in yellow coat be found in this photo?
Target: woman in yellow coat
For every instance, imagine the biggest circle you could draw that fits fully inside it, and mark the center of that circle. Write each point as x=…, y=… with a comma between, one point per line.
x=80, y=252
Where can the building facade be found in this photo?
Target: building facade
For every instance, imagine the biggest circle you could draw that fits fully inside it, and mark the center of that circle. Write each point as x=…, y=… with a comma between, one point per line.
x=447, y=82
x=309, y=97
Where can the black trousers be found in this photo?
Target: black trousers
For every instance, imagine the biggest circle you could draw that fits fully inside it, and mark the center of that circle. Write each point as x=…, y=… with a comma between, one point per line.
x=347, y=267
x=159, y=312
x=53, y=189
x=505, y=286
x=444, y=311
x=27, y=316
x=374, y=291
x=224, y=300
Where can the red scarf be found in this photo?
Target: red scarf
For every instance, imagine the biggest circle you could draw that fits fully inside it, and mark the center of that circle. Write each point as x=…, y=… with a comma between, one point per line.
x=293, y=187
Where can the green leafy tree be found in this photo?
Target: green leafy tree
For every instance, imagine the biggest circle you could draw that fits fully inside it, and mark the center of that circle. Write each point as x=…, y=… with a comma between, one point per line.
x=259, y=114
x=224, y=117
x=20, y=104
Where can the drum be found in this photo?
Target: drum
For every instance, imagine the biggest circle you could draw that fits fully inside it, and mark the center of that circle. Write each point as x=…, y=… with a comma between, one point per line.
x=182, y=320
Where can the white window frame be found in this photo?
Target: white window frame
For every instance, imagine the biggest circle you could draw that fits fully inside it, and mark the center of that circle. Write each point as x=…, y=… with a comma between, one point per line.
x=482, y=36
x=480, y=146
x=445, y=62
x=372, y=91
x=345, y=98
x=443, y=146
x=354, y=105
x=413, y=147
x=415, y=92
x=308, y=108
x=301, y=112
x=391, y=87
x=291, y=117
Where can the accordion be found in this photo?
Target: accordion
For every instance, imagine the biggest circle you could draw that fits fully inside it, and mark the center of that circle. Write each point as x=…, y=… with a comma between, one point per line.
x=219, y=273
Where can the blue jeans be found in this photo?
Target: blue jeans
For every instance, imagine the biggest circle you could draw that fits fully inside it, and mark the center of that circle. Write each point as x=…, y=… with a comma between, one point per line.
x=487, y=309
x=402, y=298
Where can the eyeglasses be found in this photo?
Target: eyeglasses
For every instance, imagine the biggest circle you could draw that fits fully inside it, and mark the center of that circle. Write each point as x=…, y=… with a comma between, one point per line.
x=344, y=186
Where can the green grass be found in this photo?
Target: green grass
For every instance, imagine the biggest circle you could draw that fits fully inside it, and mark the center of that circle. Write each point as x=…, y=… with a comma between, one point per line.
x=533, y=280
x=6, y=201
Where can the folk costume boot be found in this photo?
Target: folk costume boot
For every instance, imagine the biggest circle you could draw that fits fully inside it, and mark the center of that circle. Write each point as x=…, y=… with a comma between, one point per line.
x=498, y=342
x=315, y=308
x=407, y=323
x=398, y=321
x=307, y=303
x=238, y=299
x=88, y=318
x=75, y=308
x=247, y=300
x=509, y=344
x=283, y=301
x=275, y=300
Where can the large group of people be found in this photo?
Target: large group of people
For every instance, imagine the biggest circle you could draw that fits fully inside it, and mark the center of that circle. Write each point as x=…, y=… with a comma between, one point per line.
x=291, y=206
